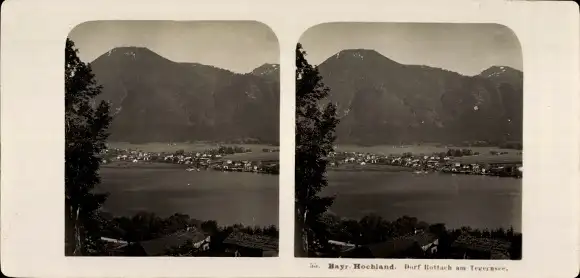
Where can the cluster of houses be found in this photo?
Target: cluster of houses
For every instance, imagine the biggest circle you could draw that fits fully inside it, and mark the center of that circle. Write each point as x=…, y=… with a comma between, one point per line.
x=430, y=163
x=195, y=161
x=135, y=156
x=423, y=244
x=263, y=167
x=196, y=243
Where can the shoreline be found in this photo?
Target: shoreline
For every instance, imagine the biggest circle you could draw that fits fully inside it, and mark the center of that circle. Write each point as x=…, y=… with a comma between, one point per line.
x=171, y=166
x=385, y=168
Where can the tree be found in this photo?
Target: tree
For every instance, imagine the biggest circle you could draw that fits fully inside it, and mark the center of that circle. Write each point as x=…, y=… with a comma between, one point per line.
x=85, y=135
x=315, y=125
x=210, y=227
x=374, y=229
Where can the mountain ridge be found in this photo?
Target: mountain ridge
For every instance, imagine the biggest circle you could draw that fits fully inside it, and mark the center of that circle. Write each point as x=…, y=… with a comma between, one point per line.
x=155, y=99
x=381, y=101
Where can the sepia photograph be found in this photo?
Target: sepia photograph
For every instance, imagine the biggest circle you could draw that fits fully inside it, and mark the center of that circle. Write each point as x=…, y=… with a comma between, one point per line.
x=409, y=141
x=235, y=139
x=172, y=139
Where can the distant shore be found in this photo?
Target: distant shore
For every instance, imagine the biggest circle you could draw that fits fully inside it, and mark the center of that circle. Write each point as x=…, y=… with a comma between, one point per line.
x=186, y=146
x=416, y=149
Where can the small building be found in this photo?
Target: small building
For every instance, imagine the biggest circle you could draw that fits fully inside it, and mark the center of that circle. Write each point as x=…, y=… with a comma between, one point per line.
x=239, y=244
x=469, y=247
x=416, y=245
x=338, y=248
x=159, y=246
x=114, y=247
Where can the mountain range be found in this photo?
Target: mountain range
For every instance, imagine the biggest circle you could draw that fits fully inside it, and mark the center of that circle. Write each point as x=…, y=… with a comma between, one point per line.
x=154, y=99
x=379, y=101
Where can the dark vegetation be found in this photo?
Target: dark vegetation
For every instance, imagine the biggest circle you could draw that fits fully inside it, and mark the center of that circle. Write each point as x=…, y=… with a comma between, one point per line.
x=314, y=141
x=145, y=226
x=86, y=125
x=449, y=152
x=373, y=229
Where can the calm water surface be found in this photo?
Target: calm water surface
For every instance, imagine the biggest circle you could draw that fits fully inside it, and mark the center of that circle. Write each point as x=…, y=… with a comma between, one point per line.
x=460, y=200
x=252, y=199
x=228, y=198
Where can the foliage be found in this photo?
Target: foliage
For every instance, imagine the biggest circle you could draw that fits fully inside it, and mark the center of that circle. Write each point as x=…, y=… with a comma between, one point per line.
x=227, y=150
x=184, y=250
x=511, y=145
x=147, y=226
x=85, y=133
x=373, y=229
x=460, y=152
x=315, y=127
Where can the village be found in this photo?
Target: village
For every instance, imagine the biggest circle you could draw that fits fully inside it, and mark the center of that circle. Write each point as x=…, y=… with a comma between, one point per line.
x=452, y=162
x=220, y=159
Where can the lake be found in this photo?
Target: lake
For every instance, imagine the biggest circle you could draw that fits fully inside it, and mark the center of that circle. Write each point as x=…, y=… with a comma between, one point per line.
x=227, y=197
x=460, y=200
x=252, y=199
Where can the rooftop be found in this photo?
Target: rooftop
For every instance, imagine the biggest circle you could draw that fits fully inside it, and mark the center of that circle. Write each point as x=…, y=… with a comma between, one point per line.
x=158, y=246
x=481, y=244
x=252, y=241
x=400, y=244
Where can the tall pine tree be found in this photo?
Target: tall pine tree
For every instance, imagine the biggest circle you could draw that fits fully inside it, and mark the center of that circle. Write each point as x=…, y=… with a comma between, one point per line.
x=86, y=127
x=315, y=124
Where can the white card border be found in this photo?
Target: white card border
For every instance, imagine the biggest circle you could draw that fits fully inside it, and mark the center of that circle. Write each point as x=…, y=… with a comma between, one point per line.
x=33, y=34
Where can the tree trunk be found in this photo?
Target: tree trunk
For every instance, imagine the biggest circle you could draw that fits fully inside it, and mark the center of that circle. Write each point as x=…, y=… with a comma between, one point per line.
x=299, y=234
x=70, y=242
x=77, y=231
x=305, y=237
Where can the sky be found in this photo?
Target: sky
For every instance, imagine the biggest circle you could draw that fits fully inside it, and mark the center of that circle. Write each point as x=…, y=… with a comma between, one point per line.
x=464, y=48
x=236, y=45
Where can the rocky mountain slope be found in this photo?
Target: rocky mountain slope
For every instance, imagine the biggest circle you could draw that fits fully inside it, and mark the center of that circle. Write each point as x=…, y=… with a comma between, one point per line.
x=381, y=101
x=158, y=100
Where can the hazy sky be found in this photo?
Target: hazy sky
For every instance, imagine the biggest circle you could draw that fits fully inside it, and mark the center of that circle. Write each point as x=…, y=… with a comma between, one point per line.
x=235, y=45
x=463, y=48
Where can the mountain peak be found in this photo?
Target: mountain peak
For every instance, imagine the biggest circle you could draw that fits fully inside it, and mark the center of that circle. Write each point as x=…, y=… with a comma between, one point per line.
x=155, y=99
x=132, y=52
x=130, y=49
x=360, y=53
x=497, y=70
x=268, y=66
x=266, y=69
x=357, y=55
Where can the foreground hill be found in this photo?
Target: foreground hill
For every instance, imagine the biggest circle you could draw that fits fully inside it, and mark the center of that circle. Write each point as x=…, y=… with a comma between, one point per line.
x=381, y=101
x=158, y=100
